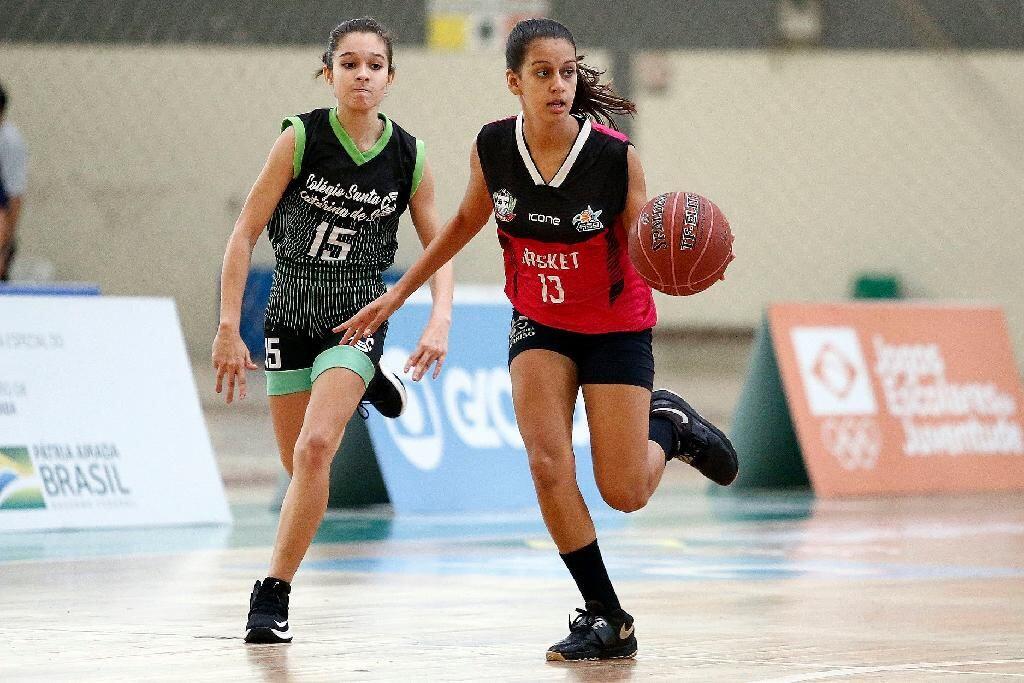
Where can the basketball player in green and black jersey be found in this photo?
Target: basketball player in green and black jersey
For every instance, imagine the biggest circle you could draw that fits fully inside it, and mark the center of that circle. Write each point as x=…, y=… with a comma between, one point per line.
x=331, y=194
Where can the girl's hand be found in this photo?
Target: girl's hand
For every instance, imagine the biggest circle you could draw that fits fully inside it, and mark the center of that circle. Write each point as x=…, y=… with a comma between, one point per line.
x=369, y=318
x=231, y=359
x=432, y=349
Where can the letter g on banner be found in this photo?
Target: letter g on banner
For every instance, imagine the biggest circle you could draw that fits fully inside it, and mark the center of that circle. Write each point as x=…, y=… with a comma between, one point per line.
x=418, y=433
x=479, y=407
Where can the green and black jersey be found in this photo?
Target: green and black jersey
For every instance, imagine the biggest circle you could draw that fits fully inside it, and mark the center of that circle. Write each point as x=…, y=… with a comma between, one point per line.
x=335, y=230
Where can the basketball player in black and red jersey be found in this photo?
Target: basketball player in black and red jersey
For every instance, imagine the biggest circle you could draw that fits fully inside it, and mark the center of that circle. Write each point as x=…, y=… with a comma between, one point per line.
x=563, y=188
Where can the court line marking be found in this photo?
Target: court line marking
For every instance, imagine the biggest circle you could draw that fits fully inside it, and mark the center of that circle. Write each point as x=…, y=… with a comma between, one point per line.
x=857, y=670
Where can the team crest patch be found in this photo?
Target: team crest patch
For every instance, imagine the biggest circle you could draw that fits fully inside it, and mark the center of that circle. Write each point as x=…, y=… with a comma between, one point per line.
x=504, y=205
x=588, y=220
x=388, y=204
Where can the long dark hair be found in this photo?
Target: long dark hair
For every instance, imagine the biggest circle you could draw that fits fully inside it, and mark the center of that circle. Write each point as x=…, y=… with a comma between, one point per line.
x=361, y=25
x=593, y=98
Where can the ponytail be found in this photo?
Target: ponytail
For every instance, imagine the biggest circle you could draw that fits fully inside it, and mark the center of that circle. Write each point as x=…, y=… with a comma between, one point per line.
x=596, y=99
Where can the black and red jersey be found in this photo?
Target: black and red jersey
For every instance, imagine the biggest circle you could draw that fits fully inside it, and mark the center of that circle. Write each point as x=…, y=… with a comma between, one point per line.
x=566, y=259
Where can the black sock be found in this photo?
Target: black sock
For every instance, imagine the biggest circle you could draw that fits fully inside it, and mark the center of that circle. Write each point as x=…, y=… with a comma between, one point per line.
x=591, y=577
x=662, y=433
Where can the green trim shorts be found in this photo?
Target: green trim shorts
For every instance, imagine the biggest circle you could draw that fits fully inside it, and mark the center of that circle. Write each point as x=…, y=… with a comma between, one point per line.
x=294, y=360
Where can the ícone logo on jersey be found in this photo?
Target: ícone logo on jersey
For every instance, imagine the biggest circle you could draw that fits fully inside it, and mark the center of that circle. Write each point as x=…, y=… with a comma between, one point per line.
x=588, y=220
x=504, y=205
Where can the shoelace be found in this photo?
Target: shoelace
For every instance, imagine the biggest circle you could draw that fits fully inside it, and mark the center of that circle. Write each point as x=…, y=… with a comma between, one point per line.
x=268, y=600
x=584, y=620
x=694, y=447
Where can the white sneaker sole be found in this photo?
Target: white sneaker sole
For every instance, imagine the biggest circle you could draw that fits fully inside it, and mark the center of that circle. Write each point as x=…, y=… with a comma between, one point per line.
x=268, y=636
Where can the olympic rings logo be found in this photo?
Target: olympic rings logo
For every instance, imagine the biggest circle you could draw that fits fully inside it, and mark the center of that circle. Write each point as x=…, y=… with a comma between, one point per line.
x=856, y=442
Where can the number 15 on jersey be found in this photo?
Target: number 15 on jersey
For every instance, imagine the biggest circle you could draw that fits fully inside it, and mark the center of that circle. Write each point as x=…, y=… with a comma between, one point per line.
x=323, y=240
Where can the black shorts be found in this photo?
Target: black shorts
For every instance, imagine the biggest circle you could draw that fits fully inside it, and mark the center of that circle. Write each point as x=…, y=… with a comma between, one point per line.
x=294, y=360
x=610, y=358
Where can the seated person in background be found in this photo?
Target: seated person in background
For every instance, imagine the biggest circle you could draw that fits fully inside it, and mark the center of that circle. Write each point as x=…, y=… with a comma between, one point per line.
x=13, y=183
x=6, y=237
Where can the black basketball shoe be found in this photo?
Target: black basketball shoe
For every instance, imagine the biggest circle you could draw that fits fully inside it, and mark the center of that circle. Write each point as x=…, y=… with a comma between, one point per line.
x=596, y=633
x=697, y=441
x=386, y=393
x=268, y=613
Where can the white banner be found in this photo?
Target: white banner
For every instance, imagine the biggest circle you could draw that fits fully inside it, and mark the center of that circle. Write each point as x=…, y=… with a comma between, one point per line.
x=100, y=422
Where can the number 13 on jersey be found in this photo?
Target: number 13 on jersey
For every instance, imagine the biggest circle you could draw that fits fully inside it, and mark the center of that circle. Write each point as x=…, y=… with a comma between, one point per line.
x=551, y=291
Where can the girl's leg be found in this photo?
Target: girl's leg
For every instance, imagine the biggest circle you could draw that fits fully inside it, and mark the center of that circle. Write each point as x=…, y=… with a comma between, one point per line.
x=308, y=426
x=287, y=412
x=544, y=394
x=544, y=386
x=627, y=466
x=687, y=435
x=334, y=398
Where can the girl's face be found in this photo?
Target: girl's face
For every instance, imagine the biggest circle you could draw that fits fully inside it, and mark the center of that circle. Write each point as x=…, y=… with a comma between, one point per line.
x=359, y=76
x=546, y=80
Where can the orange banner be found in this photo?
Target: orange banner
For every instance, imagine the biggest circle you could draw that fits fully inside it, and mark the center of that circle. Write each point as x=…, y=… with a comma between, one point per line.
x=901, y=398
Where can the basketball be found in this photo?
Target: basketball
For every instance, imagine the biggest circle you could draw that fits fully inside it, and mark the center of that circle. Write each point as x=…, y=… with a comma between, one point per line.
x=681, y=244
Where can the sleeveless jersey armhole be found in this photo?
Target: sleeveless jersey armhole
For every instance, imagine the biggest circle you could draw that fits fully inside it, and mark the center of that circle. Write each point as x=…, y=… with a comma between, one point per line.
x=300, y=142
x=417, y=171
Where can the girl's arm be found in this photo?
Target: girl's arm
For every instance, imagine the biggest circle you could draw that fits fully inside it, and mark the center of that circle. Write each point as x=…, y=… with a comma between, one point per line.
x=433, y=344
x=471, y=217
x=636, y=190
x=230, y=356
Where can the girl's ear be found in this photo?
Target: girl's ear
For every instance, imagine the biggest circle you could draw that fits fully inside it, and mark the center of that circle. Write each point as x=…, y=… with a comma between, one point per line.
x=512, y=79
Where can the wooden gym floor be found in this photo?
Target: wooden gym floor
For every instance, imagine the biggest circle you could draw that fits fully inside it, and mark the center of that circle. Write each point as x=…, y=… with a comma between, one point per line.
x=773, y=587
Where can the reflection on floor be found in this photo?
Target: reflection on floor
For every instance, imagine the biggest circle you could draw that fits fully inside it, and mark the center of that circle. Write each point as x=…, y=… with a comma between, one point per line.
x=773, y=586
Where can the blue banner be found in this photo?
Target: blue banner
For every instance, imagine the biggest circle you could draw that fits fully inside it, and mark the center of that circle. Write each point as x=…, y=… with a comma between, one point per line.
x=457, y=446
x=49, y=289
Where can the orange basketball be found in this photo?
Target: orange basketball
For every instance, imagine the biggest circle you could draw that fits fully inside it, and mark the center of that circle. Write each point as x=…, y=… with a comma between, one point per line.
x=681, y=244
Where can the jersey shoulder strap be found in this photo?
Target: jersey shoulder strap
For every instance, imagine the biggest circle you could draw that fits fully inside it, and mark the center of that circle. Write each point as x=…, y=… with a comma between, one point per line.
x=306, y=127
x=495, y=145
x=412, y=154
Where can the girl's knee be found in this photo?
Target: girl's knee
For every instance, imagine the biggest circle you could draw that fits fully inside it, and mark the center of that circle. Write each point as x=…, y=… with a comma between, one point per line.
x=551, y=468
x=624, y=498
x=314, y=451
